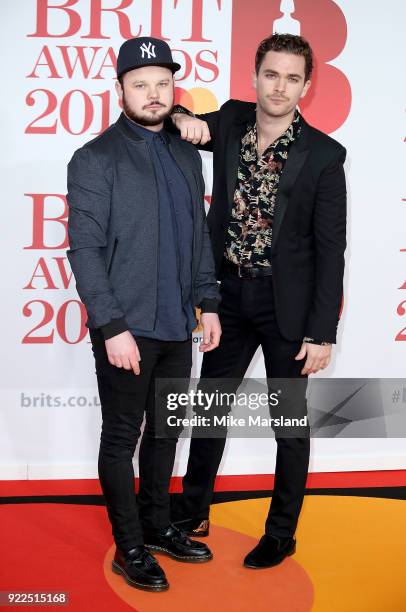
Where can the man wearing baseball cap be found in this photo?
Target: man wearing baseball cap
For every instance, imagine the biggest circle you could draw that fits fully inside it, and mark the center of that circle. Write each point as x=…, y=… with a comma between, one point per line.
x=141, y=256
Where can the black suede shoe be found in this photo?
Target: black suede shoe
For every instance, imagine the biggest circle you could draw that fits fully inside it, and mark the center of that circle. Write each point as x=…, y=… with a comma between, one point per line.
x=175, y=543
x=140, y=569
x=196, y=528
x=270, y=551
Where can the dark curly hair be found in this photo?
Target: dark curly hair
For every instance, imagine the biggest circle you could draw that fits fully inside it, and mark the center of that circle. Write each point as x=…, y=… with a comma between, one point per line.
x=288, y=43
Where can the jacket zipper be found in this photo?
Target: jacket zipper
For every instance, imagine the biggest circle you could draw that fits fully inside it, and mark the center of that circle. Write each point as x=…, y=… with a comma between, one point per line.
x=200, y=196
x=158, y=233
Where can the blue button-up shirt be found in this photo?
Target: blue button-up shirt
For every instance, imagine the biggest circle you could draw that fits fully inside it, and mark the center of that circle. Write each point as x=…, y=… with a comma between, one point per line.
x=175, y=317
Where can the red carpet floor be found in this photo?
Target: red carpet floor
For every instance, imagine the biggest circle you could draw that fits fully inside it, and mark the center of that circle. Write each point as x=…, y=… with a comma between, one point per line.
x=343, y=538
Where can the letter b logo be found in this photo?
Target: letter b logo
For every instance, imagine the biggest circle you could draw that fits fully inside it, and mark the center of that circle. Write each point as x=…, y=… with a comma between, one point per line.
x=323, y=24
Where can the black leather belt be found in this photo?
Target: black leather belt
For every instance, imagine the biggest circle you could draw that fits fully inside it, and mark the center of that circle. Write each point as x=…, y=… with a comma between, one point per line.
x=244, y=271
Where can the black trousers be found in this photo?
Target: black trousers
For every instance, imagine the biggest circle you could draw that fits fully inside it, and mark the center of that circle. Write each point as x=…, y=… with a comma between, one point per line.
x=247, y=316
x=125, y=398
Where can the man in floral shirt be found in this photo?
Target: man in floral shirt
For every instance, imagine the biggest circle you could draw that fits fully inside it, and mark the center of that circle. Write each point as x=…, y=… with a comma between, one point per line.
x=278, y=229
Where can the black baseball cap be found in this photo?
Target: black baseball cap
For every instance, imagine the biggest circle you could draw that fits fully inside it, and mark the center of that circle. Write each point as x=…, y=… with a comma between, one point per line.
x=144, y=51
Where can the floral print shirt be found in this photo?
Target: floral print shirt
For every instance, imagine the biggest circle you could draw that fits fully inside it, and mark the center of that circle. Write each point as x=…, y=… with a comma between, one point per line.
x=249, y=232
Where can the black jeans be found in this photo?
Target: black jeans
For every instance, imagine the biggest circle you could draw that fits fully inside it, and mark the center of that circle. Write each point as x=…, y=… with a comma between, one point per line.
x=125, y=398
x=247, y=315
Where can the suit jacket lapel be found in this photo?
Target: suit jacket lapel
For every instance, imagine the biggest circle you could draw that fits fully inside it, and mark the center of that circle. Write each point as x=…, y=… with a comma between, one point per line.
x=233, y=148
x=296, y=158
x=233, y=159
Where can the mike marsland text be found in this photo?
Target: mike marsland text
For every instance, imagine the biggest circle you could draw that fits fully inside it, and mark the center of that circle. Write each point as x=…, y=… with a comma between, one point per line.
x=232, y=421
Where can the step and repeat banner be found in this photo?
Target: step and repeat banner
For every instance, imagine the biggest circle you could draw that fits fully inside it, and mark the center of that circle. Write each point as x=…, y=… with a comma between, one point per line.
x=58, y=66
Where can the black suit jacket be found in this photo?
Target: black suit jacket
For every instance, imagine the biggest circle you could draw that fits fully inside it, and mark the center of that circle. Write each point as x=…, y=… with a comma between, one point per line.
x=309, y=228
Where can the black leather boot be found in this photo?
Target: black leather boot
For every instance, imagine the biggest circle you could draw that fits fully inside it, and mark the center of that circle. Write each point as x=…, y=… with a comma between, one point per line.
x=140, y=569
x=270, y=551
x=175, y=543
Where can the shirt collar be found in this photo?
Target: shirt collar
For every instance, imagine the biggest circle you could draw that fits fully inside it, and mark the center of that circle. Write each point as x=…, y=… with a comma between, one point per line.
x=146, y=134
x=292, y=132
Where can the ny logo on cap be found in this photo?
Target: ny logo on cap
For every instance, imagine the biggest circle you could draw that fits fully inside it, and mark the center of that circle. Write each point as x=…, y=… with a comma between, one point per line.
x=149, y=50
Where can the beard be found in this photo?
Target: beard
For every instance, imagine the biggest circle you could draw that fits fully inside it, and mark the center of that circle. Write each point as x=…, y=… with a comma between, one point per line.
x=145, y=120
